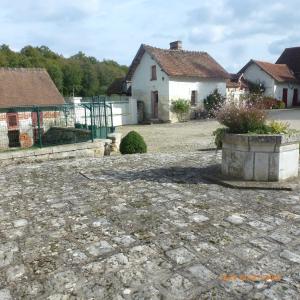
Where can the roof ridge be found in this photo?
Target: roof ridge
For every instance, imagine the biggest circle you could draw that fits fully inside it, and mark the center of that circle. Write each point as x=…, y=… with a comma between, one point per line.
x=263, y=61
x=296, y=47
x=21, y=69
x=176, y=50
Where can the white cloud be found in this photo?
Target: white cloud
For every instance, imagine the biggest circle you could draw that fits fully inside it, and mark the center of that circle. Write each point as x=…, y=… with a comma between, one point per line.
x=233, y=31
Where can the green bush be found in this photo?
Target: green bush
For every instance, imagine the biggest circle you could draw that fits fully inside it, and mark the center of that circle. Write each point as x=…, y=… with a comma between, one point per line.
x=280, y=105
x=133, y=143
x=276, y=127
x=180, y=107
x=219, y=135
x=213, y=102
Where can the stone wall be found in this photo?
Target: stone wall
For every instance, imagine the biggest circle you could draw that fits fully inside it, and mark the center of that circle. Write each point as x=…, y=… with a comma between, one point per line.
x=89, y=149
x=260, y=157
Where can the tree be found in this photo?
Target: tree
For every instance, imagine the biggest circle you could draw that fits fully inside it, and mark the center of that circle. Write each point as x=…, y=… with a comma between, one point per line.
x=80, y=74
x=90, y=81
x=56, y=75
x=72, y=75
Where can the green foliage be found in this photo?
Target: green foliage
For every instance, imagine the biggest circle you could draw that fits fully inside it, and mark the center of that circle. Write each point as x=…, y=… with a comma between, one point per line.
x=219, y=135
x=180, y=107
x=133, y=143
x=256, y=88
x=213, y=101
x=277, y=127
x=80, y=74
x=280, y=105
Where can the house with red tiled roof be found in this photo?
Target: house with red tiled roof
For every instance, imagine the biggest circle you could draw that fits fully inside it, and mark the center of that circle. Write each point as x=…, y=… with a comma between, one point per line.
x=277, y=80
x=22, y=89
x=160, y=76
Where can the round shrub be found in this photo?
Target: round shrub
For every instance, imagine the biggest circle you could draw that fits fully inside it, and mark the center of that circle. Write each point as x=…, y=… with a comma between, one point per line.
x=133, y=143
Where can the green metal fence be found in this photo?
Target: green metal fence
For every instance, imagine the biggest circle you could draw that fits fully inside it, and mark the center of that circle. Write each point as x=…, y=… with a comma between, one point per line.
x=40, y=126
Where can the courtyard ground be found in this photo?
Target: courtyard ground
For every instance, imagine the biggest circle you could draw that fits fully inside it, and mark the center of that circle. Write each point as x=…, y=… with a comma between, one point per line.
x=194, y=135
x=143, y=227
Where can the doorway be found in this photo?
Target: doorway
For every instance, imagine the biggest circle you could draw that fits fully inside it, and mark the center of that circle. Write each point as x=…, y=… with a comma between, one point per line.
x=14, y=138
x=285, y=96
x=154, y=104
x=295, y=98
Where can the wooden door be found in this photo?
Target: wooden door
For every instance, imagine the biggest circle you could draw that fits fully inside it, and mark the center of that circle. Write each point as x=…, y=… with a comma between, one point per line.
x=154, y=99
x=295, y=98
x=285, y=96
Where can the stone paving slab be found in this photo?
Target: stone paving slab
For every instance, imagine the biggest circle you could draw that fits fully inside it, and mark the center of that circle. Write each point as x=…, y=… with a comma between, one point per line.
x=143, y=227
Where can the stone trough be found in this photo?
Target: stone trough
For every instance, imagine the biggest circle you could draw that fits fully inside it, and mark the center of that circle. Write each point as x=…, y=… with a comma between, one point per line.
x=260, y=157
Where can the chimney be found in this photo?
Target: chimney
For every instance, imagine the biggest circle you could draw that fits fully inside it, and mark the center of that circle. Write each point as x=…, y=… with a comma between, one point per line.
x=177, y=45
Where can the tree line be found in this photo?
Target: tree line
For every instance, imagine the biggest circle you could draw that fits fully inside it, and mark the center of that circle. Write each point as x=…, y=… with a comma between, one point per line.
x=79, y=75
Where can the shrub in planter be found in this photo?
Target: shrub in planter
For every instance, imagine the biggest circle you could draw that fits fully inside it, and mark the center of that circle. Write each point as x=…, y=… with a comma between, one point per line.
x=133, y=143
x=213, y=102
x=242, y=117
x=180, y=107
x=250, y=150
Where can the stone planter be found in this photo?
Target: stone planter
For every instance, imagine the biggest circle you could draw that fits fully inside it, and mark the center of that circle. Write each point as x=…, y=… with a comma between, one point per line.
x=260, y=157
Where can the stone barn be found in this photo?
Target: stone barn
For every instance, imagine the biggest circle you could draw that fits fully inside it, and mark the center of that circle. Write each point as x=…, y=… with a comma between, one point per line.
x=21, y=91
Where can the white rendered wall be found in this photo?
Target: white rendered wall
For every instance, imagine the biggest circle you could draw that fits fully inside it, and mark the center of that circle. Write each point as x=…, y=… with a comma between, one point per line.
x=142, y=86
x=124, y=112
x=256, y=75
x=278, y=90
x=182, y=88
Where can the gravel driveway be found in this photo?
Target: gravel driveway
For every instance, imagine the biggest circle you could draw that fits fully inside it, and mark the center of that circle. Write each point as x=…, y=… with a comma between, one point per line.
x=194, y=135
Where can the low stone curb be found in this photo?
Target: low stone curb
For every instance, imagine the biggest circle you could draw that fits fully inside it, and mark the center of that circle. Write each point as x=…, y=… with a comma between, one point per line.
x=80, y=150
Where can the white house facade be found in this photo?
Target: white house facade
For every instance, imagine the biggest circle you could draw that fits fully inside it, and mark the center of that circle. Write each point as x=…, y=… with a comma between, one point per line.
x=236, y=87
x=277, y=80
x=160, y=76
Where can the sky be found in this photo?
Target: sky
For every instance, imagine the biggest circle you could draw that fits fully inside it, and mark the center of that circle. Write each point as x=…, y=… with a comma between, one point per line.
x=232, y=31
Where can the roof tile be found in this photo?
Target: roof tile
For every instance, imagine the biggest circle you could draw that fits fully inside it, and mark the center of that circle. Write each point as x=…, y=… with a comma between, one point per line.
x=27, y=87
x=181, y=63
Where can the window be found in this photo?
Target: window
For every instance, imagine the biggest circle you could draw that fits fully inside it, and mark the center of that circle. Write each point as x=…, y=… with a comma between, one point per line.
x=153, y=73
x=193, y=98
x=12, y=120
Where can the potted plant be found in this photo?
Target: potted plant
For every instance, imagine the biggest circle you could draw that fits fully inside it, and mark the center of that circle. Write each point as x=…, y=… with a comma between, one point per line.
x=252, y=148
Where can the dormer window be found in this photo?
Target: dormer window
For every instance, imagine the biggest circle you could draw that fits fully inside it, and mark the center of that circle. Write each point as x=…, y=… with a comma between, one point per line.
x=153, y=73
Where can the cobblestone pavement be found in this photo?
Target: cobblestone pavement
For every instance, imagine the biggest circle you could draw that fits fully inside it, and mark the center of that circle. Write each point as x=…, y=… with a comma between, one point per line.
x=143, y=227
